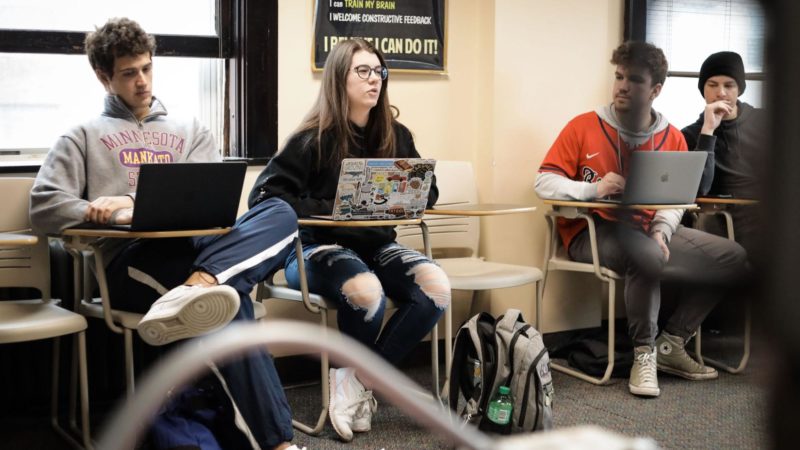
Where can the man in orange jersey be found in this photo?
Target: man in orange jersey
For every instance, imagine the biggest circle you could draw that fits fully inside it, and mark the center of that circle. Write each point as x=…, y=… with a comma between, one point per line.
x=589, y=160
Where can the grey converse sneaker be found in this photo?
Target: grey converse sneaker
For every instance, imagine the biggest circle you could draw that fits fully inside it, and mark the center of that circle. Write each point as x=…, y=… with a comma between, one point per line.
x=644, y=380
x=673, y=359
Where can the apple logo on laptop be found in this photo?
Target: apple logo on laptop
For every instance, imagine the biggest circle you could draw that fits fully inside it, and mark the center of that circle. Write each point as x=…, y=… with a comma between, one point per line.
x=665, y=177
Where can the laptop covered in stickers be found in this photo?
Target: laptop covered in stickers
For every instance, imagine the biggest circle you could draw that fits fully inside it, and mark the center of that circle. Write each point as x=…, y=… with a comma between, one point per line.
x=382, y=189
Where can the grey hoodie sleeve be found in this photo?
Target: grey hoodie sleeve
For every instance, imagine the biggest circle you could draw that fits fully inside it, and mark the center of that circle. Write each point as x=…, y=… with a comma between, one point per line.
x=57, y=195
x=556, y=187
x=666, y=221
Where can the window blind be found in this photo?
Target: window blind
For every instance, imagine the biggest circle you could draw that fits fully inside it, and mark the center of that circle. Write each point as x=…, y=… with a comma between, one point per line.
x=690, y=30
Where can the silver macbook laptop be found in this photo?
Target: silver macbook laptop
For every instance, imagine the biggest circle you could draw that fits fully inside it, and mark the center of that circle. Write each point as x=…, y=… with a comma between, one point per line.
x=662, y=177
x=382, y=188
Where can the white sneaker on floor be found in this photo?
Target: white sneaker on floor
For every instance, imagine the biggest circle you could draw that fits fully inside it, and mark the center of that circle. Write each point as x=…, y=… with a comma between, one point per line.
x=294, y=447
x=188, y=311
x=345, y=407
x=362, y=421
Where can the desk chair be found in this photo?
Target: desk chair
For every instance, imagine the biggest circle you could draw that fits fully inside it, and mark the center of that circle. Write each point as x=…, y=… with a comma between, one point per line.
x=454, y=245
x=118, y=321
x=556, y=258
x=714, y=209
x=25, y=262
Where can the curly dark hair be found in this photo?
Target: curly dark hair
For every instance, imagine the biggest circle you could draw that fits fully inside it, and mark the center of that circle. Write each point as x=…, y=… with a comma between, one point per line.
x=642, y=55
x=118, y=37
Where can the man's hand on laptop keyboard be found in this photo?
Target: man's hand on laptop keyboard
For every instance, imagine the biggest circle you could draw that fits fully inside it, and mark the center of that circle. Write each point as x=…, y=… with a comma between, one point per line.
x=101, y=209
x=610, y=184
x=122, y=216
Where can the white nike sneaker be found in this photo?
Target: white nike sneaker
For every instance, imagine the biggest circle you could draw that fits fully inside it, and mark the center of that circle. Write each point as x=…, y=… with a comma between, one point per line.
x=188, y=311
x=347, y=397
x=362, y=420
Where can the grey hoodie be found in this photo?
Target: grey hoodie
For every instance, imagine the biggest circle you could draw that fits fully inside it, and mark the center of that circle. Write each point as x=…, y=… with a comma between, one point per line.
x=102, y=158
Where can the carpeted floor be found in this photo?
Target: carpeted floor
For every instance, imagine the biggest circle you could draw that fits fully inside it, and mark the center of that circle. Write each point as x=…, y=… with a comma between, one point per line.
x=728, y=413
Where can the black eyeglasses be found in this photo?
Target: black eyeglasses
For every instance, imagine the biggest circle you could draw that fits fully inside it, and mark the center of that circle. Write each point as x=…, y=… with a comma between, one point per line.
x=364, y=71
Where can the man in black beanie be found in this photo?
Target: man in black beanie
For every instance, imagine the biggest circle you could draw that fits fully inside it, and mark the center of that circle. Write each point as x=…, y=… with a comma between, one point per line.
x=737, y=131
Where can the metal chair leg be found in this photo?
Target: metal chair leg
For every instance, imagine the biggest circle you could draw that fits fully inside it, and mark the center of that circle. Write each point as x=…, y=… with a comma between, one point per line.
x=448, y=345
x=80, y=343
x=129, y=378
x=323, y=415
x=83, y=373
x=745, y=352
x=435, y=363
x=324, y=364
x=611, y=344
x=75, y=391
x=747, y=322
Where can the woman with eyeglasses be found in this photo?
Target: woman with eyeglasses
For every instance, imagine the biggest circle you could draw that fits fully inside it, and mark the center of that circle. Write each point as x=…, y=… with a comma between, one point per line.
x=355, y=267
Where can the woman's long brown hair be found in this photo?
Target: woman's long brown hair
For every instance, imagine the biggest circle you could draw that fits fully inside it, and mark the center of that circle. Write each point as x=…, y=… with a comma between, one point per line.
x=330, y=114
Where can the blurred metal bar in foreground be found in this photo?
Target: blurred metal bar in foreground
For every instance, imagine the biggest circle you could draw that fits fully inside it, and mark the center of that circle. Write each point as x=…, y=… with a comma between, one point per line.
x=191, y=359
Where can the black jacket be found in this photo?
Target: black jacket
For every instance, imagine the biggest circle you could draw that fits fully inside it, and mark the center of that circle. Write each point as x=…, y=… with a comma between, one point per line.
x=734, y=166
x=293, y=176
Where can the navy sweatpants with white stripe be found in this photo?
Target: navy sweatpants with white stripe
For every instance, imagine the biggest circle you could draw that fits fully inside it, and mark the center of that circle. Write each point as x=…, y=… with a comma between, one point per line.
x=256, y=246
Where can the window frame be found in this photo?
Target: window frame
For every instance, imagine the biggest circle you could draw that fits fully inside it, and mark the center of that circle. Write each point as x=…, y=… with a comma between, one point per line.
x=636, y=30
x=247, y=38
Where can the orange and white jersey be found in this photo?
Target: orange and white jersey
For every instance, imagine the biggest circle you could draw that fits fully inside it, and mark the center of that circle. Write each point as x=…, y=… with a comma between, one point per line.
x=586, y=150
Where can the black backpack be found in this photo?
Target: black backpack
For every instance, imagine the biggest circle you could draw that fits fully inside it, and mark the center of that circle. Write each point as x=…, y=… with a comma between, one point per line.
x=489, y=353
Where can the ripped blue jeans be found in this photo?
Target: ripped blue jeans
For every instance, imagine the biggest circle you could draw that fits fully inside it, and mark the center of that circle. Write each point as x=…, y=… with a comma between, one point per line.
x=360, y=285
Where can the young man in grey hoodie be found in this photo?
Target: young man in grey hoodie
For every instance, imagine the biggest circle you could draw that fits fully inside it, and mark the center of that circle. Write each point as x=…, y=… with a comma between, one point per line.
x=589, y=160
x=90, y=176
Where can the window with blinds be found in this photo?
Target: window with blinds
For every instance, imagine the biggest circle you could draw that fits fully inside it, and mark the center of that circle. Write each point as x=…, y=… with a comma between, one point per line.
x=690, y=30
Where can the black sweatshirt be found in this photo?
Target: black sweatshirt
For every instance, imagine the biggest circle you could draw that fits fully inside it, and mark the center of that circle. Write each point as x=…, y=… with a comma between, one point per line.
x=294, y=176
x=736, y=162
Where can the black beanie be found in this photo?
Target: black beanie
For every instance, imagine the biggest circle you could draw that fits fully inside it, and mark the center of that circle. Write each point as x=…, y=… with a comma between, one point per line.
x=722, y=63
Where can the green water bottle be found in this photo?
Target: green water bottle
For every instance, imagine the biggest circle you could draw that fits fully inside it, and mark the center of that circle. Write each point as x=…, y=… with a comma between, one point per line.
x=500, y=411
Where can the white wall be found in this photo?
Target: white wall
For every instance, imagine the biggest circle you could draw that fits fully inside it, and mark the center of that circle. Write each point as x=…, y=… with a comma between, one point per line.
x=551, y=63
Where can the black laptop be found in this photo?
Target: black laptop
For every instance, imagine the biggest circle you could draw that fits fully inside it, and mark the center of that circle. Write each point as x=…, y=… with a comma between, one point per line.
x=187, y=196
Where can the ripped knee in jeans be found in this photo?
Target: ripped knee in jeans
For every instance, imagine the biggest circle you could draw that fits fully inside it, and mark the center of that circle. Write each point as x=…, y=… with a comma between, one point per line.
x=433, y=282
x=364, y=291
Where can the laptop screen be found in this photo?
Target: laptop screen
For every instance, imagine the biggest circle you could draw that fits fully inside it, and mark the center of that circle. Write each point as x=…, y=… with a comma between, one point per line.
x=181, y=196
